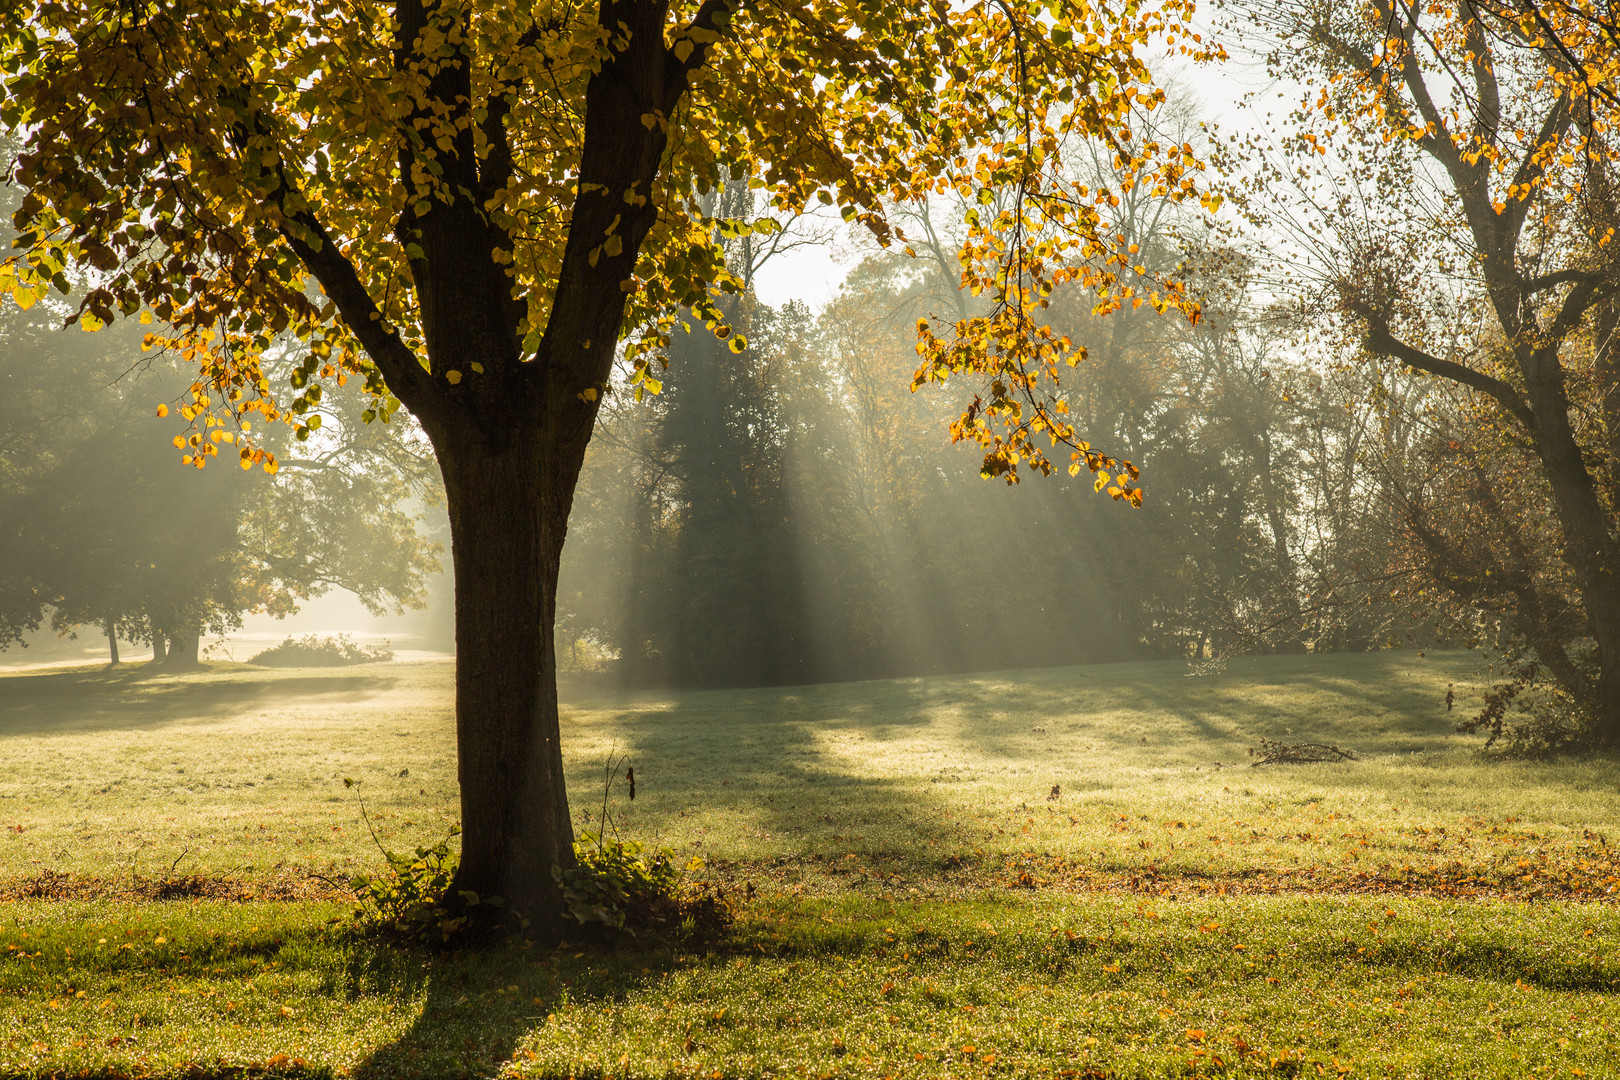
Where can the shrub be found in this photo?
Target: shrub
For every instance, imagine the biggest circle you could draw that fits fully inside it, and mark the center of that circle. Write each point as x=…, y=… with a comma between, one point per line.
x=619, y=888
x=313, y=651
x=1531, y=715
x=409, y=900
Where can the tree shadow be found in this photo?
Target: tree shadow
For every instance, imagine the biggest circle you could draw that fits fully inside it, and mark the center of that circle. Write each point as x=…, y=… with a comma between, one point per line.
x=476, y=1006
x=888, y=774
x=1507, y=963
x=786, y=767
x=79, y=700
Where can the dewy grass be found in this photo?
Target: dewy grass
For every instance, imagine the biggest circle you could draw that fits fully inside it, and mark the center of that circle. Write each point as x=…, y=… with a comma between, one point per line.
x=1006, y=984
x=923, y=908
x=239, y=771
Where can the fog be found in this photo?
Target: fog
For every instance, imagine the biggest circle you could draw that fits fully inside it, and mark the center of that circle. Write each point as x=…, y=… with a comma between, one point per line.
x=790, y=514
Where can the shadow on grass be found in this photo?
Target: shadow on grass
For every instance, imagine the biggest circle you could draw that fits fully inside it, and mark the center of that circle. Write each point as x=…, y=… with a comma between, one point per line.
x=784, y=762
x=821, y=767
x=1498, y=962
x=773, y=770
x=476, y=1007
x=138, y=697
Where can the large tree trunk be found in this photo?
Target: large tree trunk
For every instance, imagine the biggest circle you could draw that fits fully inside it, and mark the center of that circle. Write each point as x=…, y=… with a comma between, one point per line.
x=159, y=647
x=112, y=641
x=507, y=524
x=183, y=650
x=1589, y=546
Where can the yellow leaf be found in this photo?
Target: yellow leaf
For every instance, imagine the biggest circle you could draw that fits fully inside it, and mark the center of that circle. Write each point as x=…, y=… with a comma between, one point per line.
x=146, y=318
x=588, y=394
x=683, y=50
x=452, y=376
x=163, y=410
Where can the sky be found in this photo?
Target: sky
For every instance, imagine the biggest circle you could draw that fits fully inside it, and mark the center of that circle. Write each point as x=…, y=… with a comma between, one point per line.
x=812, y=274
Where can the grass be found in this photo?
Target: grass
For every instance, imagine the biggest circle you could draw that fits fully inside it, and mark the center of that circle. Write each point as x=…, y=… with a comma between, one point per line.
x=923, y=909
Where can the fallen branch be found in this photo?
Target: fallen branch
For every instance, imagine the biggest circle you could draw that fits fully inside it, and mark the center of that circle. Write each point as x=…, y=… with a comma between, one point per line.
x=1272, y=752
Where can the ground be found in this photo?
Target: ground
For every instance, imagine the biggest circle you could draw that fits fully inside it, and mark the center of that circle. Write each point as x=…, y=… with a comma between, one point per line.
x=1070, y=872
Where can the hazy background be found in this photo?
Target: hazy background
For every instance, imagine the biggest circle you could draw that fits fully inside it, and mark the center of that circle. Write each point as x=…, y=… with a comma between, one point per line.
x=799, y=515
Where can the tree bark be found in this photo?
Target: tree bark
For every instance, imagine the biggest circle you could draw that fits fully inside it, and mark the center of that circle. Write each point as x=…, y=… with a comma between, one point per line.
x=507, y=524
x=1589, y=546
x=112, y=642
x=159, y=647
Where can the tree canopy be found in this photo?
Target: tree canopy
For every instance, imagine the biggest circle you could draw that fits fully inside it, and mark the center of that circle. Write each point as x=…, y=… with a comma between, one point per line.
x=209, y=159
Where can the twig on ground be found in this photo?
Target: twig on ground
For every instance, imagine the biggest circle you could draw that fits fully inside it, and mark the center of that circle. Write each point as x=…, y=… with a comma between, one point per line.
x=1272, y=752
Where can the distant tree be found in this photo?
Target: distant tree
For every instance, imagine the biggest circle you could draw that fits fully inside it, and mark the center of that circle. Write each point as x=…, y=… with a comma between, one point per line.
x=34, y=423
x=797, y=515
x=1470, y=236
x=103, y=526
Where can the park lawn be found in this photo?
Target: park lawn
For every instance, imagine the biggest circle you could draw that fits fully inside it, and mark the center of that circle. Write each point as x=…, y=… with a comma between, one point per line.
x=1423, y=911
x=239, y=771
x=1004, y=984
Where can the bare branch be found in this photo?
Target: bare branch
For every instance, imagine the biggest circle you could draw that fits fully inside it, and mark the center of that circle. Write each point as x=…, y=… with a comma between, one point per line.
x=1382, y=343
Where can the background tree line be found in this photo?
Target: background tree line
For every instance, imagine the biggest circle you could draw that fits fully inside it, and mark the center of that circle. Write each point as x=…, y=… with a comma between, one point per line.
x=796, y=514
x=1395, y=423
x=104, y=530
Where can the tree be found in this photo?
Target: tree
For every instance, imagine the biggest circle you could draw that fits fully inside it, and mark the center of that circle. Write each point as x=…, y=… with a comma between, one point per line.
x=1482, y=139
x=102, y=527
x=491, y=196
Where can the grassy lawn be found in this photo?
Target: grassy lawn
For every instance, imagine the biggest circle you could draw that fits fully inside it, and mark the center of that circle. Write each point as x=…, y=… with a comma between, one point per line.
x=922, y=907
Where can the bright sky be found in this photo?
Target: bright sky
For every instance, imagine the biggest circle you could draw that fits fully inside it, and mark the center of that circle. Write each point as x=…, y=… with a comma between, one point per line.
x=813, y=274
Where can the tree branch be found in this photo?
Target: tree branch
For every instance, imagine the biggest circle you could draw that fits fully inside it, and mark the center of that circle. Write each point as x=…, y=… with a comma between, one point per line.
x=315, y=248
x=1588, y=291
x=1439, y=143
x=706, y=19
x=1561, y=277
x=1382, y=343
x=396, y=361
x=1488, y=112
x=1530, y=169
